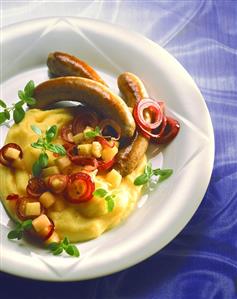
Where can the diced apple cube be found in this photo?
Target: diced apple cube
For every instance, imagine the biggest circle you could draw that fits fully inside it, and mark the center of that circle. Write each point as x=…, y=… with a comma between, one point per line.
x=96, y=149
x=54, y=238
x=63, y=162
x=50, y=171
x=41, y=222
x=12, y=153
x=32, y=209
x=108, y=153
x=84, y=149
x=114, y=178
x=47, y=199
x=78, y=138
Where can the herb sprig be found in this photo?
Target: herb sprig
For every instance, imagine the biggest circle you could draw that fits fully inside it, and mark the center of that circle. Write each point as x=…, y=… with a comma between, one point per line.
x=148, y=174
x=44, y=144
x=92, y=133
x=25, y=98
x=64, y=245
x=109, y=198
x=18, y=232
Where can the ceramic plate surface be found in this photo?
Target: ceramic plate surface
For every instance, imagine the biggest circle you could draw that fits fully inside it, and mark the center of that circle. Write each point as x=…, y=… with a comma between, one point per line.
x=158, y=217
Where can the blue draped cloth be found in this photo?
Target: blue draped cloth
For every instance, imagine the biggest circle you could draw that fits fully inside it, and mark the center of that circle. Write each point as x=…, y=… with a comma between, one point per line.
x=201, y=262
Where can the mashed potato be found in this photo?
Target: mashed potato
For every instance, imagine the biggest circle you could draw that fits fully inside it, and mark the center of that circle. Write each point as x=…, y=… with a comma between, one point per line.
x=79, y=222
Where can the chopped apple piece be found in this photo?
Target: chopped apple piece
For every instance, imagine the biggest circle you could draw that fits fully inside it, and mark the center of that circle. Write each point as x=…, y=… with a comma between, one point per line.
x=47, y=199
x=63, y=162
x=59, y=205
x=96, y=149
x=50, y=171
x=54, y=238
x=84, y=149
x=41, y=222
x=114, y=178
x=32, y=209
x=12, y=153
x=109, y=153
x=78, y=138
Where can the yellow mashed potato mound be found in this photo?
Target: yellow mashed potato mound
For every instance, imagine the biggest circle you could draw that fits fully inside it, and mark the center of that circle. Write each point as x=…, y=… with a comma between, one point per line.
x=79, y=222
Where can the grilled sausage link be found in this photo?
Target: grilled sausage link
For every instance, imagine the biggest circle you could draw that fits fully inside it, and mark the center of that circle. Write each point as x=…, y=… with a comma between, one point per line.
x=128, y=157
x=62, y=64
x=89, y=92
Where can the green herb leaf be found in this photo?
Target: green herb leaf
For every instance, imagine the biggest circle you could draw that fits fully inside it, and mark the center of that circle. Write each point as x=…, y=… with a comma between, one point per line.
x=36, y=129
x=72, y=250
x=2, y=104
x=56, y=148
x=18, y=114
x=21, y=95
x=14, y=234
x=27, y=224
x=58, y=251
x=43, y=160
x=19, y=105
x=53, y=246
x=163, y=173
x=30, y=101
x=92, y=134
x=7, y=114
x=141, y=179
x=37, y=145
x=65, y=241
x=36, y=169
x=110, y=203
x=2, y=117
x=148, y=169
x=51, y=133
x=29, y=89
x=100, y=192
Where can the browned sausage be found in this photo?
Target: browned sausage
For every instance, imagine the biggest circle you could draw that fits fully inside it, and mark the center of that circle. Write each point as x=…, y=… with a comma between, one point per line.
x=91, y=93
x=62, y=64
x=128, y=158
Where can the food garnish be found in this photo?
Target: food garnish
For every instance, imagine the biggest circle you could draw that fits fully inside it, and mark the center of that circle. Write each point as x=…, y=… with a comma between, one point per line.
x=18, y=232
x=92, y=133
x=108, y=197
x=64, y=245
x=25, y=98
x=44, y=144
x=148, y=174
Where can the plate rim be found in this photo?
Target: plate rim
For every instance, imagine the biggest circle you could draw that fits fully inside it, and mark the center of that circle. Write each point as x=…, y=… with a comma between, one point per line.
x=143, y=39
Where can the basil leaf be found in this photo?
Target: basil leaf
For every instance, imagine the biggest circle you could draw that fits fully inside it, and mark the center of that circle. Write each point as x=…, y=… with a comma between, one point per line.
x=29, y=89
x=58, y=251
x=53, y=246
x=141, y=179
x=110, y=203
x=36, y=129
x=2, y=117
x=36, y=169
x=43, y=160
x=56, y=148
x=18, y=114
x=19, y=104
x=14, y=234
x=148, y=169
x=7, y=114
x=72, y=250
x=37, y=145
x=164, y=174
x=30, y=101
x=100, y=192
x=92, y=134
x=51, y=133
x=65, y=241
x=21, y=95
x=2, y=104
x=27, y=224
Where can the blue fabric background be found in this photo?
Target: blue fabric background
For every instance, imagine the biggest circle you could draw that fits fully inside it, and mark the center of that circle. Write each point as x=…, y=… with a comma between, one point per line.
x=201, y=262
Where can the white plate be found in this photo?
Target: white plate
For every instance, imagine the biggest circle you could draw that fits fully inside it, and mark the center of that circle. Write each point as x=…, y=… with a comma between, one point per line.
x=156, y=220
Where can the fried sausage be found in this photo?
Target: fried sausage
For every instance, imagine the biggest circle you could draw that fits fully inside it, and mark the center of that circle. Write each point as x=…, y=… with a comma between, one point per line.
x=62, y=64
x=128, y=157
x=88, y=92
